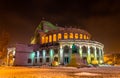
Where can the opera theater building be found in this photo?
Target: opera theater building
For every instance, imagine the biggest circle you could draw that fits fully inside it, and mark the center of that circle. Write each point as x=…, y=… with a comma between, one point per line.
x=60, y=45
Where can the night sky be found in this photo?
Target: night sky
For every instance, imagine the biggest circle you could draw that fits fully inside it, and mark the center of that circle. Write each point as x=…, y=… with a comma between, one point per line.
x=101, y=18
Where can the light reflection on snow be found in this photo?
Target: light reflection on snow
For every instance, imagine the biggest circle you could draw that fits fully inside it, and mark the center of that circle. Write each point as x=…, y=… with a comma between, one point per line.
x=87, y=74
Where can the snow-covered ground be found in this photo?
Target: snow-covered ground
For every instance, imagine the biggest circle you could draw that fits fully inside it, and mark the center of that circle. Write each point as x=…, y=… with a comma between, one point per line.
x=59, y=72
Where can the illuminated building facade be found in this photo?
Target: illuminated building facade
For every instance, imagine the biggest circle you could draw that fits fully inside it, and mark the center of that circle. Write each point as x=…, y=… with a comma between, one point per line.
x=52, y=43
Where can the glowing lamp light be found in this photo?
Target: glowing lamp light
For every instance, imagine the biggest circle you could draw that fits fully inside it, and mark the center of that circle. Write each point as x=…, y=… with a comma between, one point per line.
x=94, y=62
x=101, y=61
x=55, y=63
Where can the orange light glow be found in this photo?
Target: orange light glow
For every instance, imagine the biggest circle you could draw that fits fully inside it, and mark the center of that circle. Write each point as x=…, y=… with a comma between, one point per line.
x=54, y=37
x=76, y=35
x=46, y=39
x=43, y=40
x=65, y=35
x=50, y=38
x=59, y=36
x=81, y=36
x=71, y=36
x=85, y=37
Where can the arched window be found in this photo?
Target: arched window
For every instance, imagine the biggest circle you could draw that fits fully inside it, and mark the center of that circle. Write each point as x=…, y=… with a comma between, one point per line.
x=59, y=36
x=65, y=35
x=54, y=37
x=71, y=36
x=81, y=36
x=91, y=50
x=50, y=38
x=66, y=49
x=85, y=37
x=46, y=39
x=97, y=51
x=43, y=40
x=84, y=50
x=76, y=35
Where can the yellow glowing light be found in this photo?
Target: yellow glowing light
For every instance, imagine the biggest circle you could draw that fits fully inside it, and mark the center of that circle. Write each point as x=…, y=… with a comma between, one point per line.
x=43, y=40
x=54, y=37
x=94, y=62
x=59, y=36
x=76, y=35
x=85, y=37
x=81, y=36
x=46, y=39
x=71, y=36
x=50, y=38
x=65, y=35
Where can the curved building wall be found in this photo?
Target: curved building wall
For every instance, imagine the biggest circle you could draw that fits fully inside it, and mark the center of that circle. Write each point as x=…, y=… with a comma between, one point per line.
x=56, y=35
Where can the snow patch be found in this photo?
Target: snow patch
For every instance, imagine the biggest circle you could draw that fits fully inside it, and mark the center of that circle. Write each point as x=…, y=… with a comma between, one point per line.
x=87, y=74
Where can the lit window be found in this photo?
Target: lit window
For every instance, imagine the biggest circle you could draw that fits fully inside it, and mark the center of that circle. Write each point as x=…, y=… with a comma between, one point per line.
x=65, y=35
x=54, y=37
x=43, y=40
x=76, y=35
x=81, y=36
x=71, y=35
x=50, y=38
x=46, y=38
x=59, y=36
x=85, y=37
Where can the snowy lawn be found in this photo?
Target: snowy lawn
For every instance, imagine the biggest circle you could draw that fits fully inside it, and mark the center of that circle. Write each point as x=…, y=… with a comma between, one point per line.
x=59, y=72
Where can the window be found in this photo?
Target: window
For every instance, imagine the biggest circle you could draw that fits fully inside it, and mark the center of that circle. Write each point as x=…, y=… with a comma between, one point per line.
x=29, y=60
x=40, y=60
x=81, y=36
x=59, y=36
x=65, y=35
x=47, y=59
x=54, y=37
x=50, y=38
x=43, y=40
x=76, y=35
x=46, y=38
x=85, y=37
x=71, y=36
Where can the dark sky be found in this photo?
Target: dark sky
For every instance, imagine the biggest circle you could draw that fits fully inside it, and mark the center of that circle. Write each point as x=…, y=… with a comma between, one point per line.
x=101, y=18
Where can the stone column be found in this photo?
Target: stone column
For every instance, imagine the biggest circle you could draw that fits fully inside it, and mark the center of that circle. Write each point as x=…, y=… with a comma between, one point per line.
x=51, y=55
x=61, y=54
x=44, y=58
x=100, y=60
x=70, y=52
x=80, y=51
x=95, y=54
x=88, y=55
x=38, y=58
x=102, y=55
